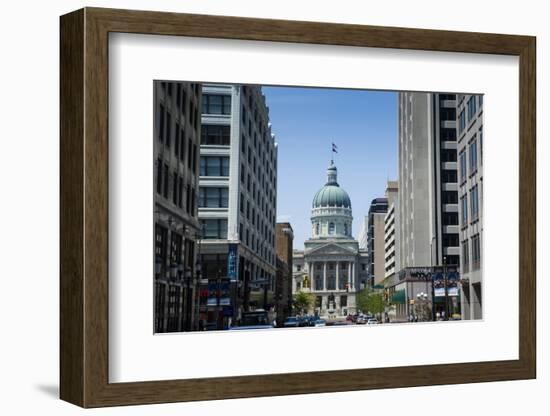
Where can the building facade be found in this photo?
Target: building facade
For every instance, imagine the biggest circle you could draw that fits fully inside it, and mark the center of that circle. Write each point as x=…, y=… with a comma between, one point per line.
x=283, y=284
x=237, y=204
x=470, y=155
x=330, y=265
x=376, y=241
x=391, y=225
x=176, y=143
x=428, y=186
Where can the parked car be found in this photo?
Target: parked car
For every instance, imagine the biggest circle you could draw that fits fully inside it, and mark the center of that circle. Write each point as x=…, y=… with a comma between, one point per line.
x=372, y=321
x=254, y=320
x=291, y=322
x=320, y=322
x=361, y=320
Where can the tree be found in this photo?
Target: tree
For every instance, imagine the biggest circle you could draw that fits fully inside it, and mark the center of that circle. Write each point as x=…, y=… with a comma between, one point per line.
x=370, y=301
x=303, y=301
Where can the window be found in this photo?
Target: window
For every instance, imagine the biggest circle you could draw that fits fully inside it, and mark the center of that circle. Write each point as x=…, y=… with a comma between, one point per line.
x=473, y=156
x=345, y=229
x=175, y=189
x=447, y=135
x=343, y=301
x=465, y=255
x=215, y=134
x=331, y=228
x=298, y=268
x=449, y=197
x=474, y=203
x=165, y=181
x=161, y=244
x=476, y=252
x=168, y=129
x=213, y=197
x=182, y=145
x=318, y=282
x=450, y=240
x=242, y=203
x=180, y=193
x=214, y=228
x=481, y=144
x=331, y=283
x=463, y=172
x=450, y=218
x=448, y=176
x=461, y=122
x=464, y=207
x=448, y=155
x=159, y=176
x=214, y=166
x=216, y=104
x=472, y=107
x=447, y=114
x=317, y=228
x=161, y=124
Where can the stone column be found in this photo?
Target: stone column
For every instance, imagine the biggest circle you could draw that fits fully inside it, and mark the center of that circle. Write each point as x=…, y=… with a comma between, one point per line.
x=311, y=267
x=337, y=276
x=325, y=275
x=350, y=278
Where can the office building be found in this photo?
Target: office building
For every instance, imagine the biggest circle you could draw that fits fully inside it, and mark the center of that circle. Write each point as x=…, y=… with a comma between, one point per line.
x=391, y=225
x=470, y=155
x=376, y=241
x=176, y=141
x=283, y=283
x=428, y=232
x=237, y=204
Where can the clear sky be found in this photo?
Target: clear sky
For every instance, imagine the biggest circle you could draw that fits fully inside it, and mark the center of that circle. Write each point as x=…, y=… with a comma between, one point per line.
x=305, y=121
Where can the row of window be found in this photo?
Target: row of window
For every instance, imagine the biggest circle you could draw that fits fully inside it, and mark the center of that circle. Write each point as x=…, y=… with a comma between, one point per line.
x=474, y=206
x=163, y=179
x=472, y=154
x=262, y=247
x=213, y=197
x=216, y=104
x=214, y=166
x=343, y=283
x=468, y=114
x=473, y=244
x=215, y=135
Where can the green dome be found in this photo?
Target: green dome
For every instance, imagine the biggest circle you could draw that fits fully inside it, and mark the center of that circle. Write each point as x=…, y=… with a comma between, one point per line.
x=331, y=196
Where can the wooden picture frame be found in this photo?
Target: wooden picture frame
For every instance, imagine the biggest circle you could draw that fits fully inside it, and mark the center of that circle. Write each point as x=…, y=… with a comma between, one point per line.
x=84, y=207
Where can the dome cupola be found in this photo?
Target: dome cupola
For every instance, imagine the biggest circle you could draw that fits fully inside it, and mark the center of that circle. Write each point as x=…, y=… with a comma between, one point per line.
x=331, y=209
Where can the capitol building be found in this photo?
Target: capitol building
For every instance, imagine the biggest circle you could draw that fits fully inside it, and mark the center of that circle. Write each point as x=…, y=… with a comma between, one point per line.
x=331, y=266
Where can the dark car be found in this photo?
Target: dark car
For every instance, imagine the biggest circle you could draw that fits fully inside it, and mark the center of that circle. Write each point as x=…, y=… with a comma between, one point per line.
x=291, y=322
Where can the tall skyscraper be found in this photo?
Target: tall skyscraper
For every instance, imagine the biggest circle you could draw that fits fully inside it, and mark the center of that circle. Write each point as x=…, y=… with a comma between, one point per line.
x=428, y=189
x=376, y=241
x=237, y=203
x=470, y=154
x=176, y=138
x=391, y=225
x=428, y=196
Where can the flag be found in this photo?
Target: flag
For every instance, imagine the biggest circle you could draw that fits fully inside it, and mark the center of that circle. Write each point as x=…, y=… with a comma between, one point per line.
x=334, y=148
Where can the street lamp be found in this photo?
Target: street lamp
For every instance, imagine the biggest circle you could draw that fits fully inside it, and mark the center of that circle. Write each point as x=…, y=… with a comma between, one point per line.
x=422, y=297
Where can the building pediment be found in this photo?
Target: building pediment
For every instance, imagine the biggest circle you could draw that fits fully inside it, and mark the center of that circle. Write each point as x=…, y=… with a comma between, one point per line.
x=331, y=249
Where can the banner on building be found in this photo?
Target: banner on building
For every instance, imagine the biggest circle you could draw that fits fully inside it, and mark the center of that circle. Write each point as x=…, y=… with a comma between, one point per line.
x=232, y=262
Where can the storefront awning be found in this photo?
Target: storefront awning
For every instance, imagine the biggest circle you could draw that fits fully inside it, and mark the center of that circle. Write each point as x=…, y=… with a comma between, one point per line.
x=398, y=297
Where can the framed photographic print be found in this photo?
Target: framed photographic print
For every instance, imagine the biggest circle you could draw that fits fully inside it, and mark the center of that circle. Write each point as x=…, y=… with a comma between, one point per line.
x=256, y=207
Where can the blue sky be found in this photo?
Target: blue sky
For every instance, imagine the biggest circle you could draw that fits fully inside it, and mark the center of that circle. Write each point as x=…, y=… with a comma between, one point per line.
x=305, y=121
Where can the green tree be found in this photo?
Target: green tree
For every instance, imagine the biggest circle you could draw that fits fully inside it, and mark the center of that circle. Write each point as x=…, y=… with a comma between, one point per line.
x=370, y=301
x=303, y=301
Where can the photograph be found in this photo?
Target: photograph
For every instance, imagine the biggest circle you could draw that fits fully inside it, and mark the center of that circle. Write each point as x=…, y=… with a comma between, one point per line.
x=254, y=225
